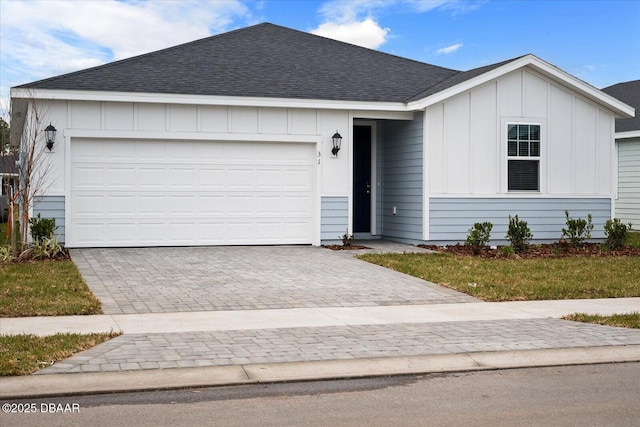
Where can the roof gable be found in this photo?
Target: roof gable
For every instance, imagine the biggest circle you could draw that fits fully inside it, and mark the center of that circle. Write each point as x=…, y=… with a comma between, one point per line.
x=264, y=60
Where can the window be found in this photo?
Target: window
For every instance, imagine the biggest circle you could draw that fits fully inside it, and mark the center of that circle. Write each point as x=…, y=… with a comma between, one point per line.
x=523, y=154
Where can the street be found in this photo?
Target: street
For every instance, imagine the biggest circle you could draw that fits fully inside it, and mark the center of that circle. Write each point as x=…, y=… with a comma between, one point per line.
x=590, y=395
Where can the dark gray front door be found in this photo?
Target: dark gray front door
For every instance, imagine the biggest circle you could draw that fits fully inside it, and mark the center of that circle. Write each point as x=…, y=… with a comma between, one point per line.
x=361, y=179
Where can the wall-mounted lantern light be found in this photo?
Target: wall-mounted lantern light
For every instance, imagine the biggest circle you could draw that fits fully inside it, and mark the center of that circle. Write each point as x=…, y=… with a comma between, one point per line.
x=337, y=142
x=50, y=136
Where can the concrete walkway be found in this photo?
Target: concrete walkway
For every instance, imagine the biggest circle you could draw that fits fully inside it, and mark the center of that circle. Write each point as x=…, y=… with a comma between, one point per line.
x=375, y=336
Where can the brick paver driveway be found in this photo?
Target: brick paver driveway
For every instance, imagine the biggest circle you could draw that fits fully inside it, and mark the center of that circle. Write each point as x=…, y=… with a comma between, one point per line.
x=157, y=280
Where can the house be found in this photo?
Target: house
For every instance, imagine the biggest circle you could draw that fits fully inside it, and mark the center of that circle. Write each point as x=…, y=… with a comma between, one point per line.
x=627, y=136
x=228, y=140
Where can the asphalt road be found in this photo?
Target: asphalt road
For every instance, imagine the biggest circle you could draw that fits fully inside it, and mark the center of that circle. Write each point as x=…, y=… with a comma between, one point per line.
x=590, y=395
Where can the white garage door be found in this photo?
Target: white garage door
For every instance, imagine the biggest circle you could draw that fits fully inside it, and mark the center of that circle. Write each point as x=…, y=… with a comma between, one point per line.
x=183, y=193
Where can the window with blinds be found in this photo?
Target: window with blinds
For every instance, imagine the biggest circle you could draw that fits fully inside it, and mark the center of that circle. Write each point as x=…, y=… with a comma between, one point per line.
x=523, y=157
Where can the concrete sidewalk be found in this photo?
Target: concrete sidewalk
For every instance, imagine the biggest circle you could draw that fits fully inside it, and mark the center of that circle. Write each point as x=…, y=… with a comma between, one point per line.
x=155, y=323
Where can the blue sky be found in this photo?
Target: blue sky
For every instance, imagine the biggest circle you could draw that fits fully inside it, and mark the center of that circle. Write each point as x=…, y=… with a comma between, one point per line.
x=597, y=41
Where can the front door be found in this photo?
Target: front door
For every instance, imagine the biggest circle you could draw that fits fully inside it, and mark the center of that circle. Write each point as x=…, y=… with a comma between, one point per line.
x=362, y=179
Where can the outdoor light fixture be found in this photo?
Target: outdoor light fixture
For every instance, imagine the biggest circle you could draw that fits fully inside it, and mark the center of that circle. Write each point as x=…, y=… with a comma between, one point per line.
x=50, y=136
x=337, y=142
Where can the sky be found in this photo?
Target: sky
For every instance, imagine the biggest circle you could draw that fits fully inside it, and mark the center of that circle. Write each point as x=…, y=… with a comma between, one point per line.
x=597, y=41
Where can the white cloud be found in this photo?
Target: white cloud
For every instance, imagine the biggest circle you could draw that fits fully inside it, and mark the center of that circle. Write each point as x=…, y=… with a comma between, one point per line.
x=365, y=33
x=45, y=38
x=449, y=49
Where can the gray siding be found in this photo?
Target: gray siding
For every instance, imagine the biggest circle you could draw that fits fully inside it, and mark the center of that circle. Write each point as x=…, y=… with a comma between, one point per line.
x=334, y=213
x=52, y=207
x=451, y=218
x=402, y=178
x=628, y=202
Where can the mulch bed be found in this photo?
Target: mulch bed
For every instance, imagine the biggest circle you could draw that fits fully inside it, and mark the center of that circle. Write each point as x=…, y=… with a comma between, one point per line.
x=30, y=257
x=345, y=248
x=553, y=250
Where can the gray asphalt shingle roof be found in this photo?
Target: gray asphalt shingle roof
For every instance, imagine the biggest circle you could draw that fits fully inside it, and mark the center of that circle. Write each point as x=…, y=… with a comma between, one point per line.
x=629, y=93
x=270, y=61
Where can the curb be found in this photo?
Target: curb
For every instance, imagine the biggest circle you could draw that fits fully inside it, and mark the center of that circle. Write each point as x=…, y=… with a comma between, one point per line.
x=50, y=385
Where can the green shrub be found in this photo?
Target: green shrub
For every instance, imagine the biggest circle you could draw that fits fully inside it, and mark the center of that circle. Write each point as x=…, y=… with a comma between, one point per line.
x=616, y=232
x=518, y=233
x=42, y=228
x=479, y=236
x=578, y=230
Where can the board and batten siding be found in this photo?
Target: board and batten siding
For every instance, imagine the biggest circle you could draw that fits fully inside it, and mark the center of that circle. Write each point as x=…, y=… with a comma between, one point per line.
x=334, y=213
x=466, y=138
x=628, y=201
x=51, y=207
x=451, y=218
x=403, y=179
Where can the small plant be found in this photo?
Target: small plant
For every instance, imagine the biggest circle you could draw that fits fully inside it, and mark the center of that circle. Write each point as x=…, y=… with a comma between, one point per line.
x=6, y=254
x=479, y=236
x=346, y=239
x=42, y=228
x=47, y=248
x=507, y=251
x=578, y=230
x=518, y=233
x=616, y=232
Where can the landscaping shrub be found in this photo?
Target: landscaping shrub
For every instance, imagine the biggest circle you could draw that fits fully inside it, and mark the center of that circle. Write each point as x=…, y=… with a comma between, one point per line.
x=578, y=230
x=42, y=228
x=518, y=233
x=479, y=236
x=616, y=232
x=346, y=239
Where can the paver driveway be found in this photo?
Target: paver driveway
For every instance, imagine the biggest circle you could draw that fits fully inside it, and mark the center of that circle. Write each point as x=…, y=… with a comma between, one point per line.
x=157, y=280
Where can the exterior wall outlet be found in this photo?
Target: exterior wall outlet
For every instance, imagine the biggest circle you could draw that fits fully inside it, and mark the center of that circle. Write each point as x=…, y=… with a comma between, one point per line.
x=395, y=211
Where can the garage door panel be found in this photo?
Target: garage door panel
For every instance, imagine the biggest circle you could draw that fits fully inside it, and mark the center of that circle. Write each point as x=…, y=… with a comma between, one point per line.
x=269, y=205
x=212, y=205
x=182, y=179
x=143, y=193
x=88, y=177
x=212, y=178
x=151, y=177
x=240, y=178
x=117, y=151
x=88, y=205
x=152, y=205
x=121, y=233
x=241, y=205
x=183, y=205
x=121, y=205
x=121, y=177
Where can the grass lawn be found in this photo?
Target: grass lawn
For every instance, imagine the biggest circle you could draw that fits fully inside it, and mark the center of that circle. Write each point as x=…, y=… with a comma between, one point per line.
x=628, y=320
x=44, y=288
x=522, y=279
x=25, y=354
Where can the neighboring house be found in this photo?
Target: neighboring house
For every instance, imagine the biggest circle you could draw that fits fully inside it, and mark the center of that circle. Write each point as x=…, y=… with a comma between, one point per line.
x=228, y=141
x=8, y=177
x=628, y=154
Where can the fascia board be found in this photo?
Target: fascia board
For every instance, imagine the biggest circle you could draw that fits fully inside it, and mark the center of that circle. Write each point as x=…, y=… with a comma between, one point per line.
x=234, y=101
x=621, y=109
x=628, y=134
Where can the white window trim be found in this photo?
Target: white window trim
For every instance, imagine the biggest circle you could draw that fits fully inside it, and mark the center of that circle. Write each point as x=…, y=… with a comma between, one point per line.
x=504, y=151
